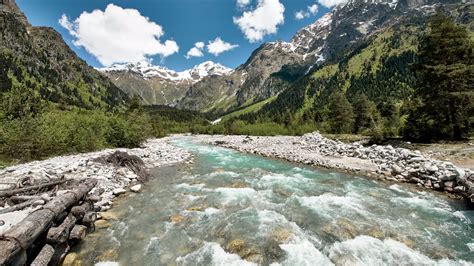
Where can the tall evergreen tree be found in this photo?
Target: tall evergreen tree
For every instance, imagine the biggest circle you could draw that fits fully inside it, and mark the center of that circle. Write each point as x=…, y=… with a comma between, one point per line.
x=366, y=115
x=446, y=75
x=341, y=114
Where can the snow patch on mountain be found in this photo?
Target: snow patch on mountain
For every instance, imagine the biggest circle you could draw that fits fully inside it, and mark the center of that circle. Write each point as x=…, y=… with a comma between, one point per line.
x=148, y=71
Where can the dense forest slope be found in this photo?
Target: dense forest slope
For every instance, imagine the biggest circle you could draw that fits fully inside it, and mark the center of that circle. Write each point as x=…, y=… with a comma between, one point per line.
x=39, y=59
x=274, y=67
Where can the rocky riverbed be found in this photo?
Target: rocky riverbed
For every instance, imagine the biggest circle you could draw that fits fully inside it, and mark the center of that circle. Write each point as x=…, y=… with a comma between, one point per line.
x=112, y=181
x=394, y=164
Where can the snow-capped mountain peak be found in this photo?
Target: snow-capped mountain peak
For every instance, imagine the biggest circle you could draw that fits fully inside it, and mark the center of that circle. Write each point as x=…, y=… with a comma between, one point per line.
x=148, y=71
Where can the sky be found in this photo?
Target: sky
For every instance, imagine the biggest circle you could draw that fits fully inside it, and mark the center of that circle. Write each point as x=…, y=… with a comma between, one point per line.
x=178, y=34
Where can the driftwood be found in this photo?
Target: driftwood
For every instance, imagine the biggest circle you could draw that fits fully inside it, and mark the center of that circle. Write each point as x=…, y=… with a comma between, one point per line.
x=12, y=192
x=44, y=257
x=60, y=234
x=79, y=211
x=78, y=233
x=123, y=159
x=20, y=237
x=60, y=251
x=18, y=206
x=89, y=220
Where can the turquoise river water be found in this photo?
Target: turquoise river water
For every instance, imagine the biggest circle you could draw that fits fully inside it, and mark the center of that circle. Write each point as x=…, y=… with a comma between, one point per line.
x=230, y=208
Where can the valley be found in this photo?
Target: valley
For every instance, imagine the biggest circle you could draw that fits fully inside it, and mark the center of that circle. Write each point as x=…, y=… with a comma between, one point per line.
x=349, y=143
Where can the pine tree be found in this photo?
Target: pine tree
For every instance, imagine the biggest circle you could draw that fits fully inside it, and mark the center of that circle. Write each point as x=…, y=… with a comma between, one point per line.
x=366, y=115
x=446, y=75
x=341, y=115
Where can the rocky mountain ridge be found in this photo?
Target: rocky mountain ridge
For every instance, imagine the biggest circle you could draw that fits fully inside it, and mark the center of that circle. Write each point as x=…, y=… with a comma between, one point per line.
x=158, y=84
x=275, y=66
x=38, y=59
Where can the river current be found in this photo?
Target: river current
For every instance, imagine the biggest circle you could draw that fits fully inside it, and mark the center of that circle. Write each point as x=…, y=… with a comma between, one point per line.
x=230, y=208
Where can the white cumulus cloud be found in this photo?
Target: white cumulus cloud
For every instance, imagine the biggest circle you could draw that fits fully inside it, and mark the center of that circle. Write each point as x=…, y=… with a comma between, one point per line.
x=311, y=10
x=118, y=35
x=331, y=3
x=196, y=51
x=243, y=3
x=218, y=46
x=261, y=21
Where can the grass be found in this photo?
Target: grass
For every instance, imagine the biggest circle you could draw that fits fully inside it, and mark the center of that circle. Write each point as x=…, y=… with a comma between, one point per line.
x=249, y=109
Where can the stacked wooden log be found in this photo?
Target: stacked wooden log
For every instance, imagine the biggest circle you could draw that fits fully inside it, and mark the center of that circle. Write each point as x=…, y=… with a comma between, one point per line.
x=45, y=236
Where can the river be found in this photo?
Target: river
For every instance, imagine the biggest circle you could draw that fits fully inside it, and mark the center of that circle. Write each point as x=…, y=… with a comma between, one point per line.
x=230, y=208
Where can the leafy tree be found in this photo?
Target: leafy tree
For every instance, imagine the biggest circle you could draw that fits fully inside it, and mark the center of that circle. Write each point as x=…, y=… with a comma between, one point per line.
x=366, y=115
x=341, y=114
x=446, y=75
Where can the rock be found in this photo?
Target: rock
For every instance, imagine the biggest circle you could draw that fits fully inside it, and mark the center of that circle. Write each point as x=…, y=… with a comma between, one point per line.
x=109, y=216
x=432, y=168
x=136, y=188
x=176, y=218
x=235, y=246
x=396, y=169
x=282, y=235
x=376, y=233
x=449, y=184
x=109, y=255
x=344, y=260
x=102, y=224
x=118, y=191
x=72, y=259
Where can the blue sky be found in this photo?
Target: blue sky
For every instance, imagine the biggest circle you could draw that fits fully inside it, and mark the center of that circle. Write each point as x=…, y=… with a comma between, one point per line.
x=184, y=23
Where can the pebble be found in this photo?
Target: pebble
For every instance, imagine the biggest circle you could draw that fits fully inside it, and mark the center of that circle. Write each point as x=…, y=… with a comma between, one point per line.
x=136, y=188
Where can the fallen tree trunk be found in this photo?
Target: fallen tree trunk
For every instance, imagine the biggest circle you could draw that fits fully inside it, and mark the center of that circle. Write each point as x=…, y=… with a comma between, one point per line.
x=60, y=234
x=26, y=189
x=78, y=233
x=44, y=257
x=18, y=207
x=22, y=235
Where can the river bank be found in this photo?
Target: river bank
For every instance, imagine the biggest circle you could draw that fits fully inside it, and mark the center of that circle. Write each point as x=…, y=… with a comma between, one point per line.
x=112, y=180
x=386, y=162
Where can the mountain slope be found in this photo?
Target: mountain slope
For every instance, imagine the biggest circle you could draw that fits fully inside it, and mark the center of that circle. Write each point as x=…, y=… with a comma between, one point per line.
x=157, y=84
x=378, y=67
x=275, y=66
x=38, y=58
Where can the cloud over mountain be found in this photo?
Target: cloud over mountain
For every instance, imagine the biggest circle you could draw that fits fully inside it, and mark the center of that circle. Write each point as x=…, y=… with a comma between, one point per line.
x=218, y=46
x=261, y=21
x=118, y=35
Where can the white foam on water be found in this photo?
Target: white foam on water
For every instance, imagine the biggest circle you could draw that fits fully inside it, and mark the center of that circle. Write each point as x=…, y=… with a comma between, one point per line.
x=224, y=173
x=470, y=246
x=326, y=203
x=152, y=244
x=304, y=253
x=398, y=188
x=107, y=263
x=366, y=250
x=462, y=217
x=429, y=204
x=191, y=188
x=235, y=195
x=211, y=211
x=286, y=180
x=212, y=254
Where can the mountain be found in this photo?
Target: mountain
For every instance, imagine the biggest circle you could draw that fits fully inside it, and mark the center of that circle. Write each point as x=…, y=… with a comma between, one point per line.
x=37, y=58
x=158, y=84
x=378, y=66
x=273, y=67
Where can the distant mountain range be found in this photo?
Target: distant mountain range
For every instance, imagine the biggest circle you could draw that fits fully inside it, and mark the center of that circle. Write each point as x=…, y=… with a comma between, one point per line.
x=38, y=58
x=158, y=84
x=274, y=66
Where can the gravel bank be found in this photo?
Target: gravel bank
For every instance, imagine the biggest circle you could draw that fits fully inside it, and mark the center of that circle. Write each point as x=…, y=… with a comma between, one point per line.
x=112, y=181
x=395, y=164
